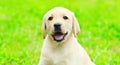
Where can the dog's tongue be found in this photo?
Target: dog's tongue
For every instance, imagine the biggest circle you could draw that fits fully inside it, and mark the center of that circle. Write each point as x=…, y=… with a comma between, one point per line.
x=59, y=37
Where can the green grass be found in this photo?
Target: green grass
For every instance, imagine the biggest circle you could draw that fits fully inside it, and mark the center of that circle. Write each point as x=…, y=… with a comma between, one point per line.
x=20, y=29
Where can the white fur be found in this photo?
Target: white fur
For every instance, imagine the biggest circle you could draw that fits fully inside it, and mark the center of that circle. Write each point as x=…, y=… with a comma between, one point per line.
x=68, y=52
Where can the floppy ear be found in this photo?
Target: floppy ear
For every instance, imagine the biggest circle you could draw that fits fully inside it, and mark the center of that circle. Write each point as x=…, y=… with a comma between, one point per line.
x=76, y=28
x=43, y=28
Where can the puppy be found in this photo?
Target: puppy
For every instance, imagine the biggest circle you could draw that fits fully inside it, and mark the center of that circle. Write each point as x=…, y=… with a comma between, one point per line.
x=60, y=45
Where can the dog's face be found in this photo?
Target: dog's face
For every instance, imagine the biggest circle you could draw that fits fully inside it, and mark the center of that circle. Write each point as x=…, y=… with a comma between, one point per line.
x=59, y=23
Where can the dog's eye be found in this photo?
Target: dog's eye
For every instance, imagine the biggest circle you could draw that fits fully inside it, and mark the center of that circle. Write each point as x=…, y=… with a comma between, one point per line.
x=50, y=18
x=65, y=17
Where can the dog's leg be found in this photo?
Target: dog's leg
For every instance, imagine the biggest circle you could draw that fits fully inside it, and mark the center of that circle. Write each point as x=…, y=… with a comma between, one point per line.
x=45, y=62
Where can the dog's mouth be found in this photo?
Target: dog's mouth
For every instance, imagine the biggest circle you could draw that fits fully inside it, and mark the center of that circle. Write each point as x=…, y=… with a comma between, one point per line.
x=59, y=36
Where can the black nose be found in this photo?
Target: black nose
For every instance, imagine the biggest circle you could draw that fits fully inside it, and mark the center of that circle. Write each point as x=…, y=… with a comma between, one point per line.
x=57, y=27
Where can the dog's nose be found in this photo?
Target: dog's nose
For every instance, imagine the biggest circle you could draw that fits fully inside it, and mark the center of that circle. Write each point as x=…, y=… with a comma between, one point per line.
x=57, y=27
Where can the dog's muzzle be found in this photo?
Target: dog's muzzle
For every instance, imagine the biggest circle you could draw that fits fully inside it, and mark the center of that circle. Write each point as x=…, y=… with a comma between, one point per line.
x=58, y=34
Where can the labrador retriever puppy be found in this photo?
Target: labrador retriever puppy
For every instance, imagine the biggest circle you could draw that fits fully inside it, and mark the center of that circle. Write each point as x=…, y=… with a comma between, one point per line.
x=60, y=47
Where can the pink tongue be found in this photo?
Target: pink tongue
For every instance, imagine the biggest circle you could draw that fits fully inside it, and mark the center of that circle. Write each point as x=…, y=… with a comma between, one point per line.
x=59, y=37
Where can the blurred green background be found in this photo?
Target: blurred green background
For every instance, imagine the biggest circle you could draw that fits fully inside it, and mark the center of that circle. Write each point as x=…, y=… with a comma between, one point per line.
x=20, y=29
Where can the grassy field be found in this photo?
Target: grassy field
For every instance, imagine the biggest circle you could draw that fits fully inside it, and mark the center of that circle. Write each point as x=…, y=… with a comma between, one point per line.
x=20, y=29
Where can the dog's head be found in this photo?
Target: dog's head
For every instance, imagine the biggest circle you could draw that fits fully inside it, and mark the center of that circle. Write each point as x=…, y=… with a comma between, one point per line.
x=59, y=23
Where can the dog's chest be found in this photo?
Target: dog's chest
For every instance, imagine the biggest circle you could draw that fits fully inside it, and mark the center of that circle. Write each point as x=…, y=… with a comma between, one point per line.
x=59, y=56
x=57, y=60
x=63, y=59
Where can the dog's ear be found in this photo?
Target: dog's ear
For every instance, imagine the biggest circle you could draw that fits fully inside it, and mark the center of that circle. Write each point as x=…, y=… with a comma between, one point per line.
x=75, y=25
x=44, y=28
